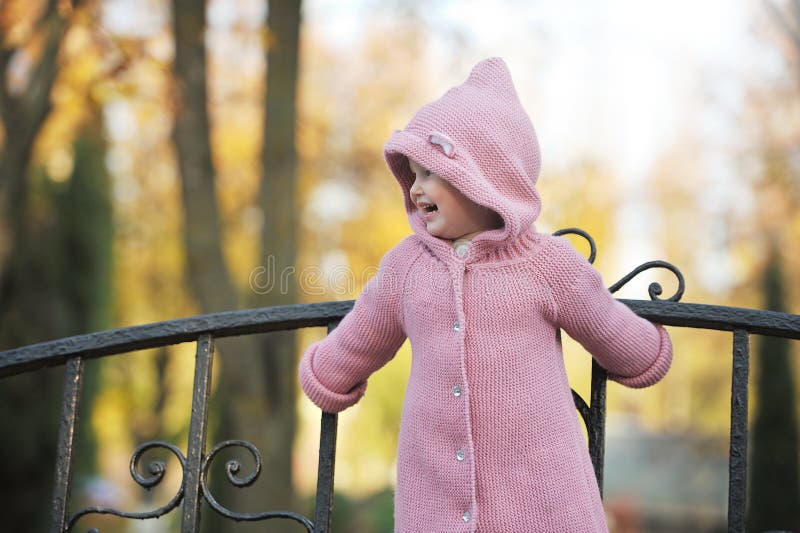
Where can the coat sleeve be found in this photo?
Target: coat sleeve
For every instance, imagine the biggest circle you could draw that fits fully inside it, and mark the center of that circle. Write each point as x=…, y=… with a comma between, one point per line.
x=634, y=351
x=333, y=372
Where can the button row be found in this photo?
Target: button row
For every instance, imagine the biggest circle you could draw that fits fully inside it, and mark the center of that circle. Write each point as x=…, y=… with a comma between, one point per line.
x=460, y=455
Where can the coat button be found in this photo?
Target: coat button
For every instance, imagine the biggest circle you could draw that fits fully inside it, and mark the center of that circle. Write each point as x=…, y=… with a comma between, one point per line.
x=456, y=391
x=460, y=455
x=466, y=516
x=456, y=326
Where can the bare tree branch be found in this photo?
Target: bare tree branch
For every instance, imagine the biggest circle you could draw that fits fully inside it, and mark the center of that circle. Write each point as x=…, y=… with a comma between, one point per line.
x=22, y=116
x=35, y=102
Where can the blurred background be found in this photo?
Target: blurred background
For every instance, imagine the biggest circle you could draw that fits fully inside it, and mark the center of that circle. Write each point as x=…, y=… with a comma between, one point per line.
x=165, y=159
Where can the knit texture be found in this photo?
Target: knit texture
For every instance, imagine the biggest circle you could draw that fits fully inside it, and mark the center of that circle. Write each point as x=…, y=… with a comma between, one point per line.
x=490, y=440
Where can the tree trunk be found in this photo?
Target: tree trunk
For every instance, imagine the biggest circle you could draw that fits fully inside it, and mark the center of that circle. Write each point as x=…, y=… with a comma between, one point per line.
x=255, y=397
x=774, y=491
x=278, y=241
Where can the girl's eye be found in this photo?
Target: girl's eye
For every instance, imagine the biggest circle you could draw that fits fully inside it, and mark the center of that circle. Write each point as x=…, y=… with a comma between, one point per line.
x=427, y=172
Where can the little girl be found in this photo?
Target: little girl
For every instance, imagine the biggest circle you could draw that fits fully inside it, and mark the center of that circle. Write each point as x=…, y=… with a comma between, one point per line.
x=489, y=440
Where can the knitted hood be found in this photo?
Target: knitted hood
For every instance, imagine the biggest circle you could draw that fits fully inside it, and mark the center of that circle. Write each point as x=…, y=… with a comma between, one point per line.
x=478, y=137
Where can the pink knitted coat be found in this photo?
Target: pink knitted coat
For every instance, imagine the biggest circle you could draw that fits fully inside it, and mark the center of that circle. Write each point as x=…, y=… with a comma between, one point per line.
x=490, y=439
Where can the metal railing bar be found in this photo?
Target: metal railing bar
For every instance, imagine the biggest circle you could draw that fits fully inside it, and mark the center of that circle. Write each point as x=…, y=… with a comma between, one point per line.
x=198, y=429
x=717, y=317
x=325, y=472
x=323, y=507
x=73, y=380
x=597, y=426
x=737, y=458
x=296, y=316
x=227, y=324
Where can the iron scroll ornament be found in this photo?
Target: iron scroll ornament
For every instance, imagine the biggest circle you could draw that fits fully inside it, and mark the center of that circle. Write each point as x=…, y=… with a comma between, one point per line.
x=232, y=468
x=654, y=290
x=157, y=469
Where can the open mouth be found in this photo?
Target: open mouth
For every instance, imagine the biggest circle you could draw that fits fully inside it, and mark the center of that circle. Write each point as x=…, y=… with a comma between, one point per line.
x=428, y=208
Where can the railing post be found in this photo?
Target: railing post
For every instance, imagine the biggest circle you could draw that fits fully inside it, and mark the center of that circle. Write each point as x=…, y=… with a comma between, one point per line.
x=198, y=428
x=597, y=426
x=327, y=459
x=73, y=379
x=325, y=470
x=737, y=465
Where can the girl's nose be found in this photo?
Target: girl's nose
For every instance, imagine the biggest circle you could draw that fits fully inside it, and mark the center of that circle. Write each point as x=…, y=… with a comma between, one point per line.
x=415, y=189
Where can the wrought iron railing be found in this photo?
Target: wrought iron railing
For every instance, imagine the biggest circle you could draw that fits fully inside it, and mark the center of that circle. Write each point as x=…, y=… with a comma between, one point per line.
x=194, y=490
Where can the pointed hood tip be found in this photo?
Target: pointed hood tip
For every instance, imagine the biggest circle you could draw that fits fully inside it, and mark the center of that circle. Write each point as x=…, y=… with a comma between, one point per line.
x=493, y=63
x=491, y=73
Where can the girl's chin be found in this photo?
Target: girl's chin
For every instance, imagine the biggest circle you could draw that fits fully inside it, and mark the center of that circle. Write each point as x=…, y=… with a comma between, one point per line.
x=437, y=228
x=434, y=230
x=440, y=233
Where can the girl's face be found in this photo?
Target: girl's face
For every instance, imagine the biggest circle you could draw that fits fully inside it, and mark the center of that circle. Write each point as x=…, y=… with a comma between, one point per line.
x=447, y=213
